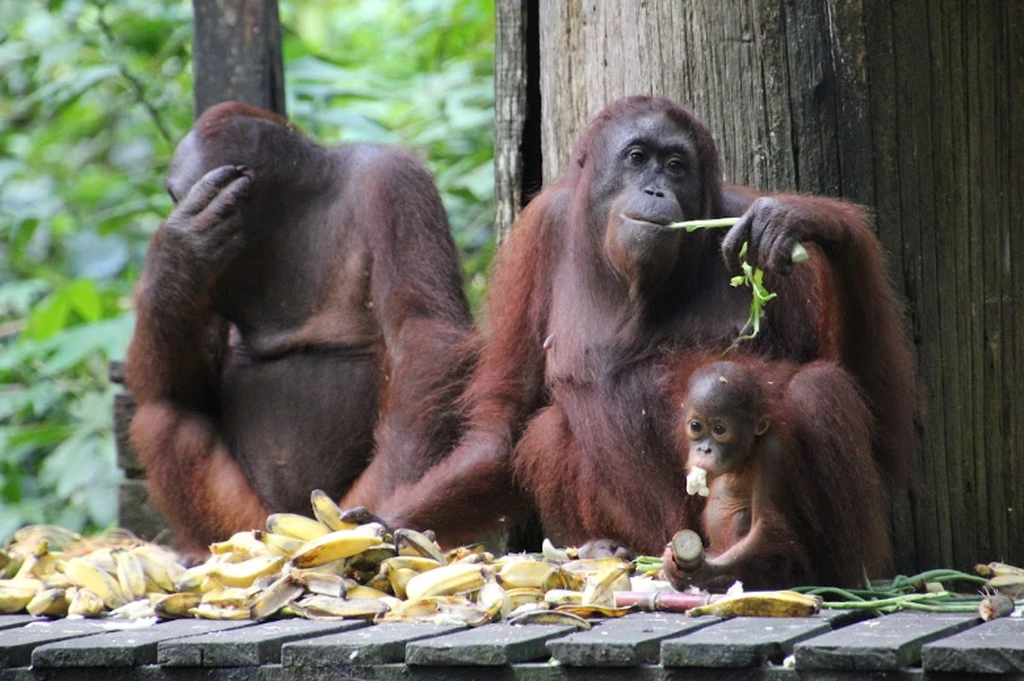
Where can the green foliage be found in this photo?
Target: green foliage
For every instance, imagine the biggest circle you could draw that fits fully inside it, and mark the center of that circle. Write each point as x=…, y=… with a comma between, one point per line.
x=93, y=96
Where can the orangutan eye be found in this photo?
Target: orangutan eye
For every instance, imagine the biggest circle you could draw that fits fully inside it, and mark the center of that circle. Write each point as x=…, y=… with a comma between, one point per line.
x=675, y=166
x=637, y=157
x=696, y=427
x=719, y=429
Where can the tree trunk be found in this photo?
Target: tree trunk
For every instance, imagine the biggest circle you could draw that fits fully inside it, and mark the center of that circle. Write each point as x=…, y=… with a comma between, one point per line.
x=909, y=106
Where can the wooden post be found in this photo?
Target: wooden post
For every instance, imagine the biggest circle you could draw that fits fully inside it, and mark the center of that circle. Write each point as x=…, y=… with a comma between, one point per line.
x=236, y=53
x=911, y=107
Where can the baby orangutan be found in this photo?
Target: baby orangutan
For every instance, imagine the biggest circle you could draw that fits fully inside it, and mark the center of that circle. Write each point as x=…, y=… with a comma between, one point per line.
x=789, y=499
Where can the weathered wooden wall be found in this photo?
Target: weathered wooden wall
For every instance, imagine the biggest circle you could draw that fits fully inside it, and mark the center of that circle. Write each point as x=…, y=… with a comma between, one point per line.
x=914, y=107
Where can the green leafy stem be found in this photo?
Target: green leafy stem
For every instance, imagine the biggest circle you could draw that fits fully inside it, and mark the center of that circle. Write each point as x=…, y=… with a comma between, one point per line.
x=752, y=277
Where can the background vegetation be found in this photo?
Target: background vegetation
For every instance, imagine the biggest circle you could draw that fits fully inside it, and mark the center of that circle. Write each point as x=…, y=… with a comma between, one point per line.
x=93, y=96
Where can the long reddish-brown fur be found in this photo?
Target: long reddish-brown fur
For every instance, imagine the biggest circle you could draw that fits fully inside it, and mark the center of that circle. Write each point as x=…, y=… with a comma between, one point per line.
x=570, y=412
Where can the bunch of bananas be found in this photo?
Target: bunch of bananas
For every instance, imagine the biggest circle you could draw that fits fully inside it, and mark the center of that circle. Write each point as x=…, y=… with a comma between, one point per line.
x=324, y=568
x=318, y=568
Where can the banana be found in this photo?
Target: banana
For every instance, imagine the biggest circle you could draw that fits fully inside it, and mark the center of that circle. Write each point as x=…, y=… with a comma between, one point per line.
x=227, y=597
x=328, y=607
x=599, y=589
x=592, y=566
x=414, y=563
x=297, y=526
x=48, y=603
x=447, y=580
x=334, y=546
x=192, y=578
x=245, y=573
x=549, y=552
x=241, y=546
x=322, y=583
x=160, y=570
x=130, y=575
x=413, y=543
x=492, y=599
x=279, y=544
x=136, y=609
x=103, y=559
x=537, y=574
x=550, y=617
x=177, y=605
x=557, y=597
x=276, y=596
x=85, y=603
x=17, y=593
x=328, y=512
x=523, y=595
x=399, y=579
x=88, y=575
x=440, y=610
x=761, y=604
x=587, y=611
x=209, y=611
x=361, y=592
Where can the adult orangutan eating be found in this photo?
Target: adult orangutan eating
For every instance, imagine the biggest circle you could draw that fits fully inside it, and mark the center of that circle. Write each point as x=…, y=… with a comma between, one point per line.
x=595, y=304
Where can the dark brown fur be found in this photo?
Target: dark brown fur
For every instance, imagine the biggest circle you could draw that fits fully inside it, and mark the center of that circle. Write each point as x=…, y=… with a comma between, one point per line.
x=297, y=320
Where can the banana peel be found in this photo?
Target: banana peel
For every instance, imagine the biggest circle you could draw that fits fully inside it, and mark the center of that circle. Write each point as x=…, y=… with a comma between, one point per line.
x=761, y=604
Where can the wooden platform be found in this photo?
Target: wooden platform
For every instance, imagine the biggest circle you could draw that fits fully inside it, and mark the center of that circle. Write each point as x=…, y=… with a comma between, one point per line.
x=648, y=646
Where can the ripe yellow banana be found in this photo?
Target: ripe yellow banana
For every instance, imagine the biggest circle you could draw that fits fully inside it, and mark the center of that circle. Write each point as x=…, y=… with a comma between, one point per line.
x=130, y=575
x=160, y=570
x=362, y=592
x=279, y=544
x=48, y=603
x=297, y=526
x=328, y=512
x=447, y=580
x=17, y=593
x=88, y=575
x=334, y=546
x=245, y=573
x=85, y=603
x=399, y=579
x=761, y=604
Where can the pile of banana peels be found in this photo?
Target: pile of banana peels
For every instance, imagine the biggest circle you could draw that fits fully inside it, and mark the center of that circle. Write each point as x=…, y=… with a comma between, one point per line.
x=324, y=568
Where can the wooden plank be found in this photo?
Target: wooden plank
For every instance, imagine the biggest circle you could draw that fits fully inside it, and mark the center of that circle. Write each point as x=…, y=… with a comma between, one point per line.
x=494, y=645
x=256, y=645
x=627, y=642
x=887, y=643
x=12, y=621
x=742, y=642
x=123, y=648
x=236, y=53
x=995, y=647
x=380, y=644
x=542, y=671
x=16, y=645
